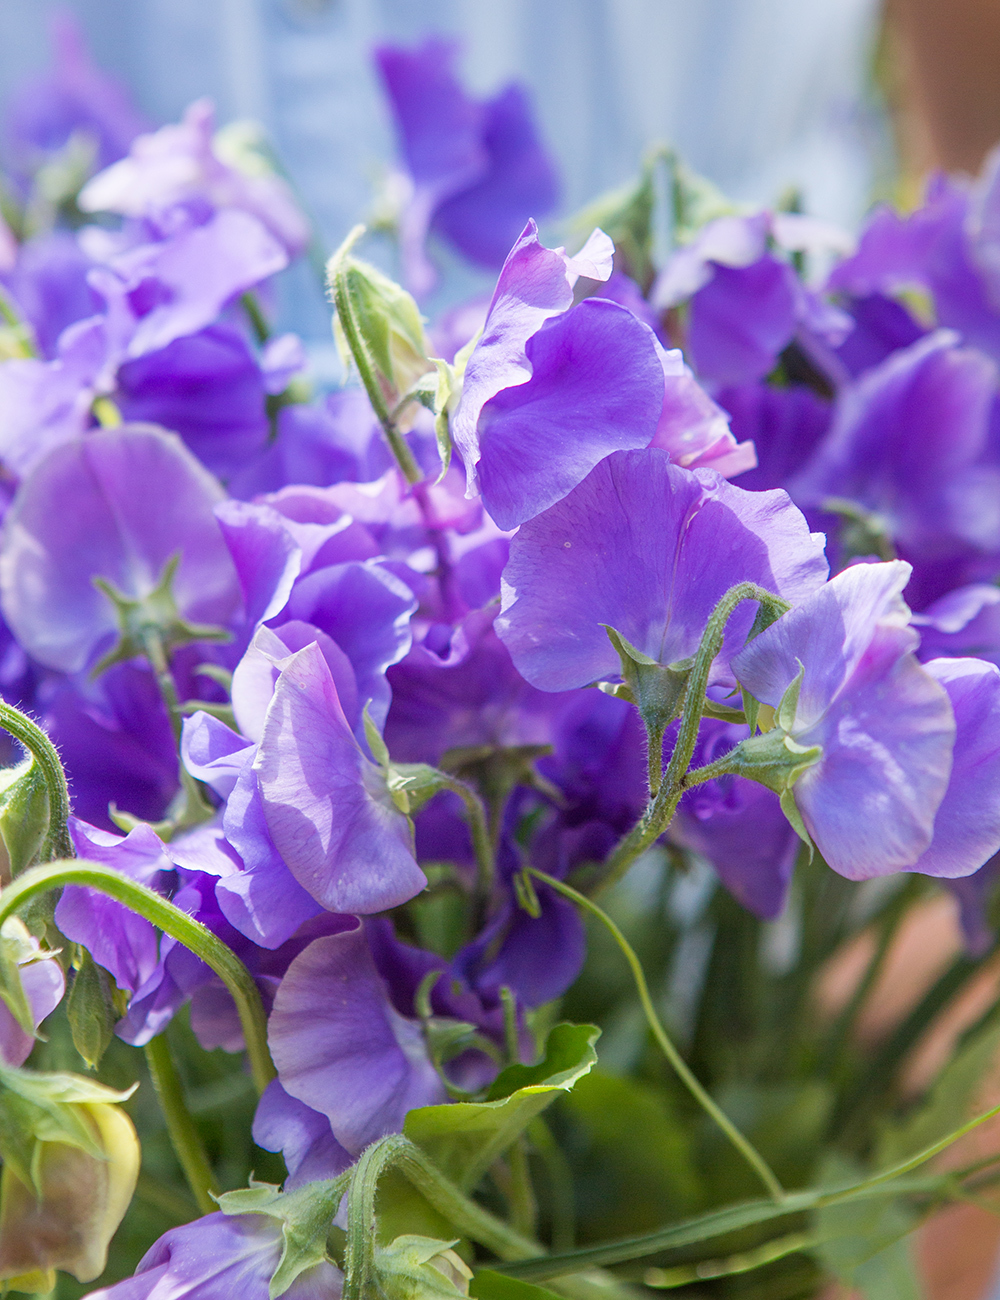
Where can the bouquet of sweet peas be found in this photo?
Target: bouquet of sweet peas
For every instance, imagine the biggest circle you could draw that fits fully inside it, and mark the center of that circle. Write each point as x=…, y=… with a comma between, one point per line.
x=463, y=786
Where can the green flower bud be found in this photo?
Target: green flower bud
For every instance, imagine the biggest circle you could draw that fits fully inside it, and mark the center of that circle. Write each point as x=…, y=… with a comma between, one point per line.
x=379, y=328
x=421, y=1268
x=71, y=1160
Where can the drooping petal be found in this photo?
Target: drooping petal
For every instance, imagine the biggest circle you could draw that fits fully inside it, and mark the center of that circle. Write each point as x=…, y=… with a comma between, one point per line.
x=342, y=1049
x=327, y=806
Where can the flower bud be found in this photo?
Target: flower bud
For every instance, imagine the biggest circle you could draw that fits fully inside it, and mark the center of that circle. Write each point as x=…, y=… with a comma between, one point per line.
x=71, y=1160
x=378, y=324
x=421, y=1268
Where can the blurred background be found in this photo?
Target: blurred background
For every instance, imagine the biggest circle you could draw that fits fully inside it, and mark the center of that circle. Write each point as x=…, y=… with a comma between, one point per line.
x=846, y=100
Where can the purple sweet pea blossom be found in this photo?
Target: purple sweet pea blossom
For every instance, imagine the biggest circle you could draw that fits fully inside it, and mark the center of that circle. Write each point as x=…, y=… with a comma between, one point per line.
x=220, y=1255
x=47, y=279
x=648, y=549
x=884, y=725
x=327, y=806
x=746, y=304
x=181, y=164
x=206, y=387
x=965, y=621
x=476, y=170
x=138, y=498
x=535, y=284
x=342, y=1049
x=967, y=821
x=909, y=441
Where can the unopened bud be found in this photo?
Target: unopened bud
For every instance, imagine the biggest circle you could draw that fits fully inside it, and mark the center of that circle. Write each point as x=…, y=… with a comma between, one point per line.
x=421, y=1268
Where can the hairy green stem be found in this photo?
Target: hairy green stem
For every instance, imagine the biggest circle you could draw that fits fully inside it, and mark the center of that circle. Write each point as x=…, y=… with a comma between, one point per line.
x=184, y=1136
x=171, y=920
x=340, y=290
x=57, y=842
x=701, y=1096
x=482, y=843
x=663, y=805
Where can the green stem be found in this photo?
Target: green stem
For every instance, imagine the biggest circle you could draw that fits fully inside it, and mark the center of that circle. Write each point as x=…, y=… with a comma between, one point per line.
x=735, y=1218
x=184, y=1136
x=172, y=921
x=195, y=809
x=665, y=1279
x=523, y=1203
x=343, y=303
x=57, y=843
x=741, y=1143
x=258, y=321
x=663, y=805
x=482, y=843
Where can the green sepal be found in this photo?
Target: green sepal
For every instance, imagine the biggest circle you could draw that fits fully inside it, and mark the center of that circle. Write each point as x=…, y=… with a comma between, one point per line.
x=91, y=1010
x=465, y=1138
x=156, y=611
x=788, y=705
x=305, y=1216
x=413, y=784
x=24, y=813
x=413, y=1267
x=656, y=689
x=378, y=747
x=774, y=759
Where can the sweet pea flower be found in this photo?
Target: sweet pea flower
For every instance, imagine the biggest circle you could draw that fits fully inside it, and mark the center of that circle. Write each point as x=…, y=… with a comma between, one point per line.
x=138, y=498
x=207, y=387
x=909, y=441
x=746, y=304
x=184, y=164
x=963, y=622
x=47, y=278
x=221, y=1255
x=864, y=734
x=43, y=982
x=302, y=1135
x=342, y=1049
x=327, y=806
x=647, y=549
x=550, y=390
x=476, y=170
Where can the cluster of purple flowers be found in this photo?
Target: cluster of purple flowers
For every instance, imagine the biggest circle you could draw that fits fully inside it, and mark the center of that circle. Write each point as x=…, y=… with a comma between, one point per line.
x=714, y=566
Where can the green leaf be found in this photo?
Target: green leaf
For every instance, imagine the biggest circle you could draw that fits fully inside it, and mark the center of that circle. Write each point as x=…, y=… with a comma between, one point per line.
x=626, y=215
x=863, y=1243
x=465, y=1138
x=305, y=1216
x=487, y=1285
x=634, y=1152
x=91, y=1010
x=24, y=813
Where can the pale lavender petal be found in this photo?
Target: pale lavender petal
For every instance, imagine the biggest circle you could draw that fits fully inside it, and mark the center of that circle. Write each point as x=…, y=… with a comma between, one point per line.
x=341, y=1048
x=327, y=806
